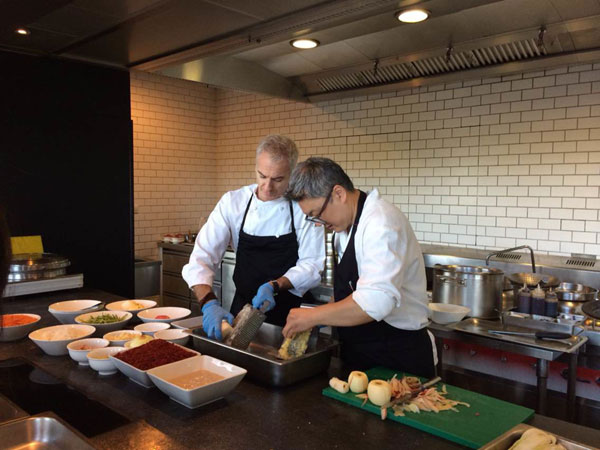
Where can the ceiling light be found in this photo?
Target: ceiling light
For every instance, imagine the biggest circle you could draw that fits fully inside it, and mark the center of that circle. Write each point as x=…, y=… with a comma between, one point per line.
x=412, y=15
x=304, y=43
x=22, y=31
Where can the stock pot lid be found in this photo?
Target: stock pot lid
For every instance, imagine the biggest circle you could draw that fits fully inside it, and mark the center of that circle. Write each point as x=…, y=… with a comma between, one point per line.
x=475, y=270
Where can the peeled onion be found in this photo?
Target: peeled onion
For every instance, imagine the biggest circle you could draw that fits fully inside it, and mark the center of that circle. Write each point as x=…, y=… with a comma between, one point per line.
x=358, y=381
x=379, y=392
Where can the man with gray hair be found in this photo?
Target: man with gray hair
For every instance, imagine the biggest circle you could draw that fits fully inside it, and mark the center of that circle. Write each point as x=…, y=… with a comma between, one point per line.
x=380, y=296
x=279, y=256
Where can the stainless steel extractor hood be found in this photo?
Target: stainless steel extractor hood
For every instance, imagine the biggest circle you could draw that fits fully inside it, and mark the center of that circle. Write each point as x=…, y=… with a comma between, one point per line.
x=364, y=49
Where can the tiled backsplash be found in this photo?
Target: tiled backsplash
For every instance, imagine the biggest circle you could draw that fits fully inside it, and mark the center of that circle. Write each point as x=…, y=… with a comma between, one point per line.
x=174, y=137
x=490, y=163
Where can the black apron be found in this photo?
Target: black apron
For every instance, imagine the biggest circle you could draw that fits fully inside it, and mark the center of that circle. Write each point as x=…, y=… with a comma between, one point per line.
x=377, y=343
x=260, y=259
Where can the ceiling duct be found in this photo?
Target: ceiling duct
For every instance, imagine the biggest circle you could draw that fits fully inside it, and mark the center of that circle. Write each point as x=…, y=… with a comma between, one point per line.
x=432, y=66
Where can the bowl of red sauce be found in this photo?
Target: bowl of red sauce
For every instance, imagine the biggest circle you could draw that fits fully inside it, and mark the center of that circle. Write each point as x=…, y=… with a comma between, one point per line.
x=17, y=326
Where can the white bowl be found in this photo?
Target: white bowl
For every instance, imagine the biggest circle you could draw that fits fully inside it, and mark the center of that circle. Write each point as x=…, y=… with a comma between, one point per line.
x=79, y=354
x=150, y=328
x=173, y=312
x=163, y=377
x=137, y=375
x=174, y=335
x=113, y=337
x=17, y=332
x=65, y=312
x=99, y=359
x=52, y=341
x=444, y=313
x=124, y=305
x=103, y=328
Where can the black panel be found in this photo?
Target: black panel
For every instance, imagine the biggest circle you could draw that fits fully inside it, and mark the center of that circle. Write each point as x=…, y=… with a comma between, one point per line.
x=66, y=163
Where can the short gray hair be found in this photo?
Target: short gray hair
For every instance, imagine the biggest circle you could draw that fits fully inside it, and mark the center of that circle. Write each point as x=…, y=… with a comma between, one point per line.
x=279, y=147
x=315, y=178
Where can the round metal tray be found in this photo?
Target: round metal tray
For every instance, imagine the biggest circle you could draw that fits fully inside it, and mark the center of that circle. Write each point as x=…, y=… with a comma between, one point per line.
x=35, y=275
x=574, y=292
x=33, y=262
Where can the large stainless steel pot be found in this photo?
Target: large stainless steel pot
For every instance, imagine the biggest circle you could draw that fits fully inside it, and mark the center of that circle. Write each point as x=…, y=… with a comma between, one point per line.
x=478, y=288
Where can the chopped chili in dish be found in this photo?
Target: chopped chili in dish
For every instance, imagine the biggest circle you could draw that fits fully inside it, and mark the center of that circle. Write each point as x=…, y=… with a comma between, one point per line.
x=157, y=352
x=13, y=320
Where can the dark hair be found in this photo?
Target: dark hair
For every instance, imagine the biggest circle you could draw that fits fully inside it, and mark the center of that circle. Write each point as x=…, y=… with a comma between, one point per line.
x=315, y=178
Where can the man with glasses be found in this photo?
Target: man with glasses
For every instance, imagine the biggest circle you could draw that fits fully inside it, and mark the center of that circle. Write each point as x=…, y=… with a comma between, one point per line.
x=380, y=296
x=279, y=255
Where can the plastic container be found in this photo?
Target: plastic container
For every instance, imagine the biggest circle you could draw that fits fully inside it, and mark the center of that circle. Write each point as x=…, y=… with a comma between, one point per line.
x=538, y=301
x=524, y=300
x=551, y=304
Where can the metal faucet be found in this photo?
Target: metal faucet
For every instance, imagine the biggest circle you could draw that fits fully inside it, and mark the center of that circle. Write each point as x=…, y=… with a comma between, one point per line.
x=487, y=260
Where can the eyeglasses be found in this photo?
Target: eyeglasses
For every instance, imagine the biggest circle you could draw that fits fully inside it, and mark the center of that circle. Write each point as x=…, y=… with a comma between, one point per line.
x=317, y=219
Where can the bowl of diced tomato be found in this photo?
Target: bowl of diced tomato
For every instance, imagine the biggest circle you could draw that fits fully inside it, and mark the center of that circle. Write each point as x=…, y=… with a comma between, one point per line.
x=17, y=326
x=166, y=314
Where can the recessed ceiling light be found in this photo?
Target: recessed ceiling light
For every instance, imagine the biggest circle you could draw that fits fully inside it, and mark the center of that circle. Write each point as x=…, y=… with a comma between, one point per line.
x=22, y=31
x=304, y=43
x=412, y=15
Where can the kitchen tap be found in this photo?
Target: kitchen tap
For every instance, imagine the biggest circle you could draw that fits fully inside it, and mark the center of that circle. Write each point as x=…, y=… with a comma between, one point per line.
x=487, y=260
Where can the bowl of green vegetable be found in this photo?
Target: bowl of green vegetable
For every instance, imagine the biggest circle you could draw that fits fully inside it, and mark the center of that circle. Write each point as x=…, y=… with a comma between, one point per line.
x=105, y=321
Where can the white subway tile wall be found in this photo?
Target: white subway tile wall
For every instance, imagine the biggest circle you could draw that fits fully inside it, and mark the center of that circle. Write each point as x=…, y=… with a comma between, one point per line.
x=174, y=139
x=490, y=163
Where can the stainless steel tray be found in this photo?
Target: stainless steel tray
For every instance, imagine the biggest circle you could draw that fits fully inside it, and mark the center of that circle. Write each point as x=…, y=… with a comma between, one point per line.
x=533, y=322
x=506, y=440
x=482, y=327
x=44, y=431
x=260, y=358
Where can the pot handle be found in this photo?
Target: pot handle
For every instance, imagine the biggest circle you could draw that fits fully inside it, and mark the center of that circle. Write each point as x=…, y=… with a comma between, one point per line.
x=451, y=280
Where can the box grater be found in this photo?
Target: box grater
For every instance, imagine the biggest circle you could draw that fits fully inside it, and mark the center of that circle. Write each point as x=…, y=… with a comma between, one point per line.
x=246, y=325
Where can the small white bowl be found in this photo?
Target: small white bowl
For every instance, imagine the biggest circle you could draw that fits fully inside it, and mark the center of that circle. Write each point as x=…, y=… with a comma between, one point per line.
x=113, y=337
x=150, y=328
x=125, y=305
x=52, y=341
x=444, y=313
x=65, y=312
x=103, y=328
x=16, y=332
x=79, y=354
x=172, y=312
x=99, y=359
x=163, y=376
x=174, y=335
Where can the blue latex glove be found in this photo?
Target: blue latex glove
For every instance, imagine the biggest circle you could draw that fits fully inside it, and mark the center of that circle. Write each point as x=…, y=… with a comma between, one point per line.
x=264, y=294
x=212, y=316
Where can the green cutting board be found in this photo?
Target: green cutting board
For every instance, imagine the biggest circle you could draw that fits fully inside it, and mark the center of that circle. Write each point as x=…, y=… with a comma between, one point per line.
x=485, y=420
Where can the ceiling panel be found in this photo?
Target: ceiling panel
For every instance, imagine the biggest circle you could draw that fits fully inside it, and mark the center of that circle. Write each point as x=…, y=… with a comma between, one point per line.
x=266, y=9
x=292, y=64
x=180, y=24
x=120, y=9
x=576, y=8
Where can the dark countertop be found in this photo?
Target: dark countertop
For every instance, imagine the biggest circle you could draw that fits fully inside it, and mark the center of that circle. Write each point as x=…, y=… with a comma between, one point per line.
x=252, y=416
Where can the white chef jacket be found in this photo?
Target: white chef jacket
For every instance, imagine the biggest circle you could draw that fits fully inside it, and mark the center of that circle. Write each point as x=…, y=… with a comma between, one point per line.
x=270, y=218
x=391, y=272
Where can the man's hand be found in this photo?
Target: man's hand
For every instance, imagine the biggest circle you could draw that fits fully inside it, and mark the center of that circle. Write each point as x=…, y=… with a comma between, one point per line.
x=298, y=320
x=212, y=316
x=264, y=294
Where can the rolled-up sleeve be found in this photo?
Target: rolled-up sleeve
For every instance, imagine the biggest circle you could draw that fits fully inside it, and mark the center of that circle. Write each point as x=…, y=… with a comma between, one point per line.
x=210, y=246
x=306, y=274
x=381, y=270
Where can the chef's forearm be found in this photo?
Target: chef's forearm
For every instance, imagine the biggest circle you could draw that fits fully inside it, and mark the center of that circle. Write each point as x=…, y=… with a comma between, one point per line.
x=284, y=284
x=201, y=290
x=345, y=313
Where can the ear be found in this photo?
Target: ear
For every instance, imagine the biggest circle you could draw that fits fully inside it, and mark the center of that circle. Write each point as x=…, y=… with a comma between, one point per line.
x=340, y=193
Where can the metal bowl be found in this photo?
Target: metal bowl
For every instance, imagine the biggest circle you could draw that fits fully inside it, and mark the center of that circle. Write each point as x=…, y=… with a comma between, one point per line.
x=533, y=279
x=573, y=292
